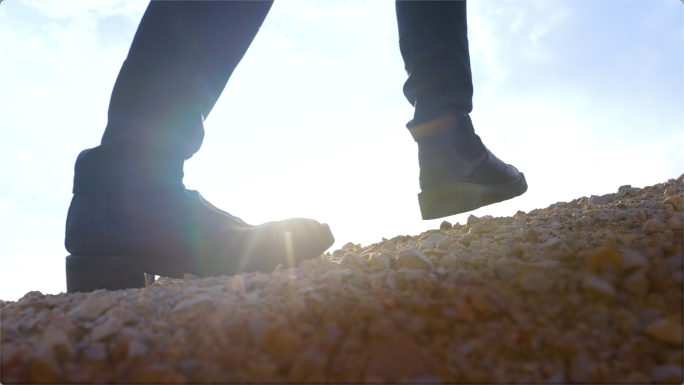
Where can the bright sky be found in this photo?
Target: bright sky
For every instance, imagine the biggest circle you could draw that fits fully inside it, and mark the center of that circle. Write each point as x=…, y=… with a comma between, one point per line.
x=582, y=96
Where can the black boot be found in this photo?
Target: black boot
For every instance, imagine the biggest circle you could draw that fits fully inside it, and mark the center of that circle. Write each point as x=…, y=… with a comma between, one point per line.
x=115, y=240
x=450, y=182
x=131, y=214
x=457, y=172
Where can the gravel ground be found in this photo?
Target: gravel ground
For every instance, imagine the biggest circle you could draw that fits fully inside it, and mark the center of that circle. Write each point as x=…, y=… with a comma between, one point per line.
x=586, y=291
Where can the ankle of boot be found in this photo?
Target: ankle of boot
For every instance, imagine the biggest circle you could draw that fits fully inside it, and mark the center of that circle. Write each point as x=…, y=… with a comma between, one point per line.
x=102, y=173
x=468, y=144
x=431, y=128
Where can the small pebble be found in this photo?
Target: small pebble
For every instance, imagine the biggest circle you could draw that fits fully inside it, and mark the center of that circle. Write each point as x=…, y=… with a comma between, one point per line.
x=666, y=331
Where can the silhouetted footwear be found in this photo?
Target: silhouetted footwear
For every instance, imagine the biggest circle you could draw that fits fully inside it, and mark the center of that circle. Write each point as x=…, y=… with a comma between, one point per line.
x=451, y=184
x=119, y=241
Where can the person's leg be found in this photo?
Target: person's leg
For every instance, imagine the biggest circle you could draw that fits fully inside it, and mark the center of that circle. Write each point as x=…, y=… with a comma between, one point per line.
x=179, y=62
x=433, y=39
x=131, y=213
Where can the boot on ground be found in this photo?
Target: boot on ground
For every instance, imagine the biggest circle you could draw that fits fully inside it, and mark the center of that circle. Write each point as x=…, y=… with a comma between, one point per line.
x=116, y=240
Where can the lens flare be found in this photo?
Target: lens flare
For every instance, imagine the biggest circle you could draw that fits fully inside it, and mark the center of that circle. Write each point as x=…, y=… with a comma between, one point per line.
x=289, y=249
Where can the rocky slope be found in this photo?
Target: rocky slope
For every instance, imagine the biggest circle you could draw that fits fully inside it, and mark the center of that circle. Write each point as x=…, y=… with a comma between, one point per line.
x=585, y=291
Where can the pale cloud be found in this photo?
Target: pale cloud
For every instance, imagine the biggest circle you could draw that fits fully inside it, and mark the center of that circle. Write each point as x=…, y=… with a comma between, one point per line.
x=605, y=57
x=69, y=9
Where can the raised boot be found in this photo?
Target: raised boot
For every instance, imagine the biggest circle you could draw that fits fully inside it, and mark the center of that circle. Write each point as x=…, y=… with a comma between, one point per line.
x=451, y=182
x=117, y=240
x=457, y=172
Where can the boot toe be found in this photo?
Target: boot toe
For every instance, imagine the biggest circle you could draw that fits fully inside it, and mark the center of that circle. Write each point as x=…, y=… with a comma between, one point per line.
x=306, y=238
x=285, y=242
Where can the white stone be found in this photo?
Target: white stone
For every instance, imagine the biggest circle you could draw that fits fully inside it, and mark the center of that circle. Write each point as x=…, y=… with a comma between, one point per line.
x=633, y=260
x=191, y=308
x=431, y=243
x=95, y=352
x=535, y=283
x=389, y=246
x=391, y=282
x=136, y=348
x=547, y=265
x=412, y=258
x=598, y=288
x=106, y=329
x=92, y=307
x=257, y=326
x=601, y=200
x=506, y=272
x=504, y=250
x=652, y=226
x=625, y=238
x=666, y=331
x=676, y=222
x=482, y=228
x=125, y=316
x=332, y=278
x=448, y=261
x=352, y=260
x=252, y=298
x=236, y=284
x=380, y=261
x=54, y=336
x=551, y=244
x=636, y=283
x=666, y=374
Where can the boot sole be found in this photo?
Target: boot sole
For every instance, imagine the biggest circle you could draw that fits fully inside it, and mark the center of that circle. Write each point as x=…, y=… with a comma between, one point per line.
x=85, y=273
x=457, y=198
x=88, y=273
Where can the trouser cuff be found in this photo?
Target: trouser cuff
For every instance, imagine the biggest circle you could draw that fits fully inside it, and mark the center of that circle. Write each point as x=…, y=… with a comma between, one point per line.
x=97, y=172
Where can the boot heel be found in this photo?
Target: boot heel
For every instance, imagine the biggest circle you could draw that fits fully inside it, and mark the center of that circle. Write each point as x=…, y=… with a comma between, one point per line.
x=86, y=274
x=459, y=198
x=449, y=200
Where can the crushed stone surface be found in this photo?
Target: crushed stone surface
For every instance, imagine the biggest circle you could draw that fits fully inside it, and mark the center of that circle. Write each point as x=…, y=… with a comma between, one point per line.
x=586, y=291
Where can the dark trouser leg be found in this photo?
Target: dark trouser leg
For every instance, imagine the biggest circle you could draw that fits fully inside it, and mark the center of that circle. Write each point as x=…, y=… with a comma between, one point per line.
x=179, y=62
x=433, y=39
